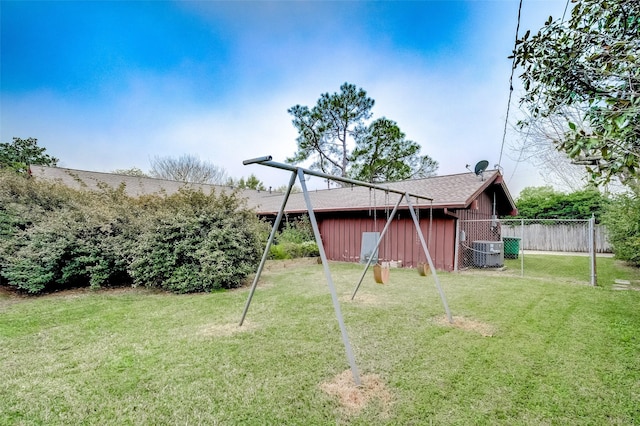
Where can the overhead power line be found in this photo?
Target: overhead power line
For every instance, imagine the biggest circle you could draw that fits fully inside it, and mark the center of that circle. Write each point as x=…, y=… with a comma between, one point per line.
x=513, y=68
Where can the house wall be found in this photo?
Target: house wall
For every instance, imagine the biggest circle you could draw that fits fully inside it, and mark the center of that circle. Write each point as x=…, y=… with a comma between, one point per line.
x=481, y=208
x=342, y=237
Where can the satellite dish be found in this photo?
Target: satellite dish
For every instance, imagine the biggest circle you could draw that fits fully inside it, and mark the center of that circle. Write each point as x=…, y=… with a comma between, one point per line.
x=481, y=167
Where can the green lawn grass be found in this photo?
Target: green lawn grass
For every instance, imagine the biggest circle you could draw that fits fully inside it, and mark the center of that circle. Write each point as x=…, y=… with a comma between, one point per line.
x=558, y=352
x=575, y=269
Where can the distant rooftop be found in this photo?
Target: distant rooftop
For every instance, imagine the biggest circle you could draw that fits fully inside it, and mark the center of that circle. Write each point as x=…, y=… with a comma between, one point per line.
x=449, y=191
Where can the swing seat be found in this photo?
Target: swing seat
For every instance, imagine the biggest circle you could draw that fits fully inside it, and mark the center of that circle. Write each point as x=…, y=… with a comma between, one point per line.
x=423, y=269
x=381, y=273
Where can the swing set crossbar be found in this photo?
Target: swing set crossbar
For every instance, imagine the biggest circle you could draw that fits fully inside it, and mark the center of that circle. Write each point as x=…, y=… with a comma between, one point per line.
x=266, y=161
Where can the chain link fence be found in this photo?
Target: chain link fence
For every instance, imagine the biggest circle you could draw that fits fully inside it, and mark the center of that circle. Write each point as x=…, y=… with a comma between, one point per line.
x=522, y=246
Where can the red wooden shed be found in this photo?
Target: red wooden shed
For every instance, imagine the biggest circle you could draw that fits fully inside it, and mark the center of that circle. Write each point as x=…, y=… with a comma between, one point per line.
x=344, y=214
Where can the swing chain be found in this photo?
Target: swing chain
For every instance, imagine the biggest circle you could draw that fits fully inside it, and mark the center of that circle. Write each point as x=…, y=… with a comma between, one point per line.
x=387, y=239
x=386, y=204
x=375, y=213
x=430, y=221
x=417, y=208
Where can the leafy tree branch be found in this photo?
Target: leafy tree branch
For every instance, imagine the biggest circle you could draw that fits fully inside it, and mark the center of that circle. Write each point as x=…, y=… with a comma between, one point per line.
x=590, y=62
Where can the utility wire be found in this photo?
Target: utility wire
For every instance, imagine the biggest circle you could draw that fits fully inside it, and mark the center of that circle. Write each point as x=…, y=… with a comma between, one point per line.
x=513, y=69
x=566, y=6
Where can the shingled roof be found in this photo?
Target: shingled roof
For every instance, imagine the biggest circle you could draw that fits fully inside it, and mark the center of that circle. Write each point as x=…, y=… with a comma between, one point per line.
x=135, y=186
x=451, y=191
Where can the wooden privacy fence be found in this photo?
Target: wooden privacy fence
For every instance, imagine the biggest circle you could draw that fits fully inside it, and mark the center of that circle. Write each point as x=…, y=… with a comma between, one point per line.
x=556, y=235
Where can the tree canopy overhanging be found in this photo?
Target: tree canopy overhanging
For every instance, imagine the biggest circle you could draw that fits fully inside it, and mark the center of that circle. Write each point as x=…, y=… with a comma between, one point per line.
x=590, y=61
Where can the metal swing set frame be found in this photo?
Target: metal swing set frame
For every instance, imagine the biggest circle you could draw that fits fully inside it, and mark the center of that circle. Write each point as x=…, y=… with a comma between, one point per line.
x=299, y=173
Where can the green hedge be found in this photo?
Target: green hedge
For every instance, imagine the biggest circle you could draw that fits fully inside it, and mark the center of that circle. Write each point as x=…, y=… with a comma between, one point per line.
x=294, y=250
x=295, y=240
x=622, y=219
x=210, y=245
x=53, y=237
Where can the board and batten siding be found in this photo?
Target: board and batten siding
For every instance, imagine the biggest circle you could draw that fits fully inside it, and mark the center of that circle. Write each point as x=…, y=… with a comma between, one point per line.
x=342, y=238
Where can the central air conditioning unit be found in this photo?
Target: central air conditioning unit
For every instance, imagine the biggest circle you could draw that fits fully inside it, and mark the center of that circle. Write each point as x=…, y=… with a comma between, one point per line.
x=487, y=254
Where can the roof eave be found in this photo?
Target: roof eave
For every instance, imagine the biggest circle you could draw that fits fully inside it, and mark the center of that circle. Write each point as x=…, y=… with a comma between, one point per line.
x=496, y=179
x=443, y=206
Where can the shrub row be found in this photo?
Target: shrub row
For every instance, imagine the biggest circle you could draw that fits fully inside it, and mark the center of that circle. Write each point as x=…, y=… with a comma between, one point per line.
x=622, y=219
x=294, y=250
x=295, y=240
x=53, y=237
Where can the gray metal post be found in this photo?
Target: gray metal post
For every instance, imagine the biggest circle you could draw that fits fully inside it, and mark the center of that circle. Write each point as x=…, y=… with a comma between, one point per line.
x=592, y=249
x=274, y=230
x=327, y=273
x=456, y=248
x=522, y=247
x=384, y=231
x=429, y=260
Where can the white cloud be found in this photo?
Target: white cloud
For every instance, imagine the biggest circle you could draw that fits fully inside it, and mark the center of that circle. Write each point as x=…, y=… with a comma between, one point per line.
x=453, y=106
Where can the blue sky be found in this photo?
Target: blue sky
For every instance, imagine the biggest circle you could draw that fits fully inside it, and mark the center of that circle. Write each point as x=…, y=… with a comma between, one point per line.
x=109, y=85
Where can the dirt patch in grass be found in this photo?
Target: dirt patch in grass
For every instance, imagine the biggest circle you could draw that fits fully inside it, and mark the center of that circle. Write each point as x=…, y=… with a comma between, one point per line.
x=7, y=292
x=8, y=297
x=353, y=399
x=223, y=330
x=484, y=329
x=72, y=293
x=363, y=299
x=107, y=291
